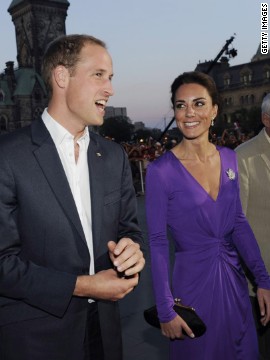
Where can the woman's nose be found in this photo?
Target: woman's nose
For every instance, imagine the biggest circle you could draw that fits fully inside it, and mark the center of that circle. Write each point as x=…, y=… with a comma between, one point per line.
x=190, y=111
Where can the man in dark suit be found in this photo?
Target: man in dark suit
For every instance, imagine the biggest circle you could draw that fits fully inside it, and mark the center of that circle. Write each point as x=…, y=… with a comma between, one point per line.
x=69, y=237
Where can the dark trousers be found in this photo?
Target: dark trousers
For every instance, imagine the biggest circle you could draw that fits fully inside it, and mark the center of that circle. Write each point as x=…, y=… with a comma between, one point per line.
x=74, y=337
x=93, y=340
x=263, y=332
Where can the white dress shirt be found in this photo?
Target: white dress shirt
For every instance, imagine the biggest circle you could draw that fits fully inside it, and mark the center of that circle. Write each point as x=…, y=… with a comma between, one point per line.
x=76, y=173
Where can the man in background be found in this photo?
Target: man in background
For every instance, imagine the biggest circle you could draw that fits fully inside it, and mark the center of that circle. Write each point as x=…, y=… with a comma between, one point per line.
x=254, y=174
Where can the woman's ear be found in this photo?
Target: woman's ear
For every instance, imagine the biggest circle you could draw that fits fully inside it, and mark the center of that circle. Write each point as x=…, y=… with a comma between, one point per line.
x=215, y=111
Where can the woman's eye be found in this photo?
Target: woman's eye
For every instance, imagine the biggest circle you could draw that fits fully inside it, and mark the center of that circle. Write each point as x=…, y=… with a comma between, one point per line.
x=199, y=103
x=179, y=106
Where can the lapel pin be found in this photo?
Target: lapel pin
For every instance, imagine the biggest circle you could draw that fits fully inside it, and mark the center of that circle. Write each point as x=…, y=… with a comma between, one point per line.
x=98, y=154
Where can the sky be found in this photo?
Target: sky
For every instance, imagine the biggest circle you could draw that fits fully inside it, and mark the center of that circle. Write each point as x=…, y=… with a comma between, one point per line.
x=152, y=42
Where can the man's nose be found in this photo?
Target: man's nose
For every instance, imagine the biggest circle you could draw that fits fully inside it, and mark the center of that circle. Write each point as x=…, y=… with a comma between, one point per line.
x=109, y=88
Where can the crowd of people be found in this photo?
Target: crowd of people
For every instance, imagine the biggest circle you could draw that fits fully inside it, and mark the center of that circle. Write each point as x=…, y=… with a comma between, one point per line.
x=140, y=154
x=231, y=138
x=70, y=236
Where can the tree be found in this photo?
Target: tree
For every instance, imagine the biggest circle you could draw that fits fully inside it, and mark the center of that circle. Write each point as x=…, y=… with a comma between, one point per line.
x=156, y=133
x=119, y=128
x=142, y=134
x=248, y=120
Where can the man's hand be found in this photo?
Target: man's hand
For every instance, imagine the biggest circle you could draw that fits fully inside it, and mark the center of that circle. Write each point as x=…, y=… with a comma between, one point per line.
x=105, y=285
x=263, y=296
x=126, y=256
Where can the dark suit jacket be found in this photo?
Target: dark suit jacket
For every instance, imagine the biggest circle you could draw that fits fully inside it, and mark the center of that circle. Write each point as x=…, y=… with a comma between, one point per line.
x=42, y=244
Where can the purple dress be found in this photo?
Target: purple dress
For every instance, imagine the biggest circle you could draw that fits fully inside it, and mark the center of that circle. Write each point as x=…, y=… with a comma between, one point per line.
x=208, y=237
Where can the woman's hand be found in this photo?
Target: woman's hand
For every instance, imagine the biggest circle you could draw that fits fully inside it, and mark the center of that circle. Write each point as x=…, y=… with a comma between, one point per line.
x=174, y=329
x=263, y=296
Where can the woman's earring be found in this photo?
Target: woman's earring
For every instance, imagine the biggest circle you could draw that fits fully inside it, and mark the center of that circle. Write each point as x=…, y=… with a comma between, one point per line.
x=212, y=122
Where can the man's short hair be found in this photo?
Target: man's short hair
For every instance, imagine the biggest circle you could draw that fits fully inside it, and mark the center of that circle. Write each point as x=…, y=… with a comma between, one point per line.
x=65, y=50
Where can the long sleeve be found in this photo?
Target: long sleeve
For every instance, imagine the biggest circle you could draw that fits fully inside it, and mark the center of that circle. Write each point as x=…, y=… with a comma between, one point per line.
x=248, y=248
x=156, y=213
x=21, y=279
x=244, y=183
x=128, y=222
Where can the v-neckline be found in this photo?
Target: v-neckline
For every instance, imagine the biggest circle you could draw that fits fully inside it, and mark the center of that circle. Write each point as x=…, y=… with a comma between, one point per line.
x=197, y=182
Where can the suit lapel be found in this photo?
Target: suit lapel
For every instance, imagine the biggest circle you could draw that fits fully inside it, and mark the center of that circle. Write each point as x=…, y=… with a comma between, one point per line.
x=264, y=148
x=96, y=175
x=50, y=163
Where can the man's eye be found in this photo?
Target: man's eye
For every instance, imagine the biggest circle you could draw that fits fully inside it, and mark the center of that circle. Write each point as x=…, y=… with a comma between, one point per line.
x=98, y=74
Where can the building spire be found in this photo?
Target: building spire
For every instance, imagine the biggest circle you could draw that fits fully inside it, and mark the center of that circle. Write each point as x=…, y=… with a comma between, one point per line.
x=259, y=56
x=36, y=23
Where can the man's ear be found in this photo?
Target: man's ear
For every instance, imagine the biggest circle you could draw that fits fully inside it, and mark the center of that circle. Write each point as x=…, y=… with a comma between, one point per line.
x=266, y=120
x=60, y=76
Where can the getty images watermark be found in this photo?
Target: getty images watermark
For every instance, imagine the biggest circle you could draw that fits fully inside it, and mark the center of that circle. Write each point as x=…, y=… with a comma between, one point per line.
x=264, y=28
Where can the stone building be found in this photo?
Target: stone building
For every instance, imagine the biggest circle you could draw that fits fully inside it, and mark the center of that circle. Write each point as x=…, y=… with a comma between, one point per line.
x=111, y=111
x=22, y=92
x=242, y=87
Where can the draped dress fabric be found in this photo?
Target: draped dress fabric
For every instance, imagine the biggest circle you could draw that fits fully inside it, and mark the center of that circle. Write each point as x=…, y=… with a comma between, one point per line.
x=208, y=235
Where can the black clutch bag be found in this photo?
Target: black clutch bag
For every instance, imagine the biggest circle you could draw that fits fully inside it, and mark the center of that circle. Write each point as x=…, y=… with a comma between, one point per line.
x=187, y=313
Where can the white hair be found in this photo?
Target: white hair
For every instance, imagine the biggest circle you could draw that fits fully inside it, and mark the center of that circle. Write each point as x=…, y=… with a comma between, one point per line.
x=266, y=104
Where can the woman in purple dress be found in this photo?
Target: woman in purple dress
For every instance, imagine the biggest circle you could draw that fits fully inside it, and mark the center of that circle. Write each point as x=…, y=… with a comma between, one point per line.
x=192, y=191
